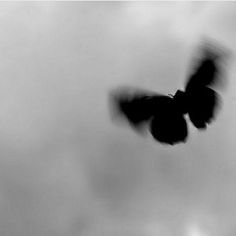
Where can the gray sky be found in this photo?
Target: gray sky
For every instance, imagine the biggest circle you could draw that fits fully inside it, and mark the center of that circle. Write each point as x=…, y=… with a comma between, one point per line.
x=65, y=168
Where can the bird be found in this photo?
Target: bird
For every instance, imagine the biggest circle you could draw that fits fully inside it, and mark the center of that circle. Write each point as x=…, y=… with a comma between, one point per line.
x=164, y=116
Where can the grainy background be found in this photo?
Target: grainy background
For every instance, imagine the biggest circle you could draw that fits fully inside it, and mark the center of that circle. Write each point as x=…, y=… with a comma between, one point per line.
x=65, y=168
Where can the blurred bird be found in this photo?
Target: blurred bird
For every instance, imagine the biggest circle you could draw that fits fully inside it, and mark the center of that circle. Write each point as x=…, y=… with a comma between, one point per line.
x=164, y=116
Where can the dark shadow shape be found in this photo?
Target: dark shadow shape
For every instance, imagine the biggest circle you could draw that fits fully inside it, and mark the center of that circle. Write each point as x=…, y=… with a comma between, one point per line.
x=163, y=115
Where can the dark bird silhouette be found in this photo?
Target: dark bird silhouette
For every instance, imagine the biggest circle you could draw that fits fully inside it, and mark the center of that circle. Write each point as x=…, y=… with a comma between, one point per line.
x=163, y=115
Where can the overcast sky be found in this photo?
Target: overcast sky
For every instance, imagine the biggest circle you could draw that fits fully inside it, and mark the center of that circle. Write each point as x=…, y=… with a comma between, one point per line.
x=65, y=168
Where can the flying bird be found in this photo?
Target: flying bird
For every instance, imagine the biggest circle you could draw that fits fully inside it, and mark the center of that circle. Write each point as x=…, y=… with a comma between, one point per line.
x=165, y=116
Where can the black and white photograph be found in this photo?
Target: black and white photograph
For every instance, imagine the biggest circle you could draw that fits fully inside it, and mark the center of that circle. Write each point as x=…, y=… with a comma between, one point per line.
x=117, y=118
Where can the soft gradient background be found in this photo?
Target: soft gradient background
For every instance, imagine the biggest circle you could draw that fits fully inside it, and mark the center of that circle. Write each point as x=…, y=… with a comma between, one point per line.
x=65, y=168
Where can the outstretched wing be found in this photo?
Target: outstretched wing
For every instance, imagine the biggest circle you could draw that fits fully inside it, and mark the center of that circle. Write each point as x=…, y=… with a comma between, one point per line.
x=206, y=70
x=203, y=106
x=202, y=100
x=135, y=105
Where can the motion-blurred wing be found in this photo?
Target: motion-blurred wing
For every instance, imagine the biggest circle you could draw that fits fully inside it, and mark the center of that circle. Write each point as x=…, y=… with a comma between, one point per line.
x=206, y=70
x=169, y=127
x=135, y=105
x=203, y=105
x=202, y=100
